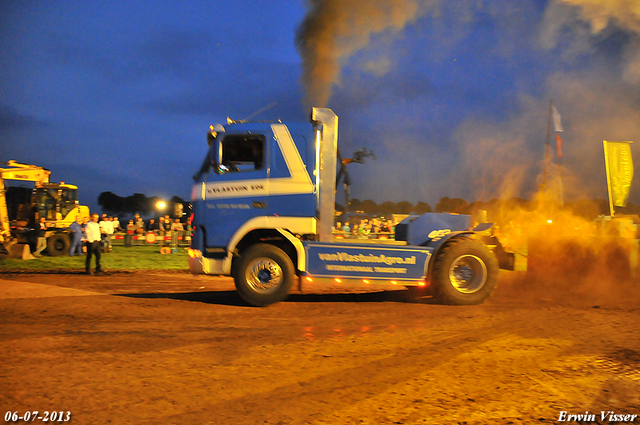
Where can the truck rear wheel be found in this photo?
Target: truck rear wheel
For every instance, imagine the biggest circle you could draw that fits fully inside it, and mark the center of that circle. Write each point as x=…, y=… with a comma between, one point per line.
x=264, y=275
x=58, y=244
x=465, y=272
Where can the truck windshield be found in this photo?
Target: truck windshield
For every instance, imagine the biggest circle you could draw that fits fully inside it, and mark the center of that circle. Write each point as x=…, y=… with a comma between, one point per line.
x=242, y=153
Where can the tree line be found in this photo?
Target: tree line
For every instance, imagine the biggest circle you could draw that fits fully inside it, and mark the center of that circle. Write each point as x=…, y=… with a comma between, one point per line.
x=446, y=204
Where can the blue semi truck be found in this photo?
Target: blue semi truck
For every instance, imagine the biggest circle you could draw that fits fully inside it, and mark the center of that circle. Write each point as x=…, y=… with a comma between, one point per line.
x=263, y=210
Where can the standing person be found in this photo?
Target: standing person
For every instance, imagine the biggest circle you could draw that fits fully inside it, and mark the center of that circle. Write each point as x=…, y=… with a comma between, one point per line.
x=177, y=229
x=111, y=230
x=93, y=243
x=167, y=228
x=131, y=230
x=103, y=230
x=177, y=225
x=85, y=220
x=76, y=237
x=161, y=226
x=140, y=227
x=108, y=226
x=116, y=225
x=42, y=241
x=106, y=230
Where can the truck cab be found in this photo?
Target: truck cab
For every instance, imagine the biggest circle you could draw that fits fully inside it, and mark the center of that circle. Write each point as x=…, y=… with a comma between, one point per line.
x=261, y=181
x=257, y=171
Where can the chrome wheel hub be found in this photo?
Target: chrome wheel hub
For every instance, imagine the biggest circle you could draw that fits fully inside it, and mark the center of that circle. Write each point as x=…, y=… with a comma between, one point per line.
x=468, y=274
x=264, y=275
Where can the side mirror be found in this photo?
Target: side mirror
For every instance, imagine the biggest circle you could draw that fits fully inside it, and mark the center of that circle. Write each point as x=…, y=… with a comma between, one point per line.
x=214, y=149
x=215, y=155
x=211, y=160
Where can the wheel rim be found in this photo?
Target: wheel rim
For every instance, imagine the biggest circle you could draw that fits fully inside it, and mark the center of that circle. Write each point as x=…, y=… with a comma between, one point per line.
x=264, y=275
x=468, y=274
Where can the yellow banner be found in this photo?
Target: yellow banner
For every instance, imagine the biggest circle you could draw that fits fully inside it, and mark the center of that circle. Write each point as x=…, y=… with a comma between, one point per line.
x=619, y=164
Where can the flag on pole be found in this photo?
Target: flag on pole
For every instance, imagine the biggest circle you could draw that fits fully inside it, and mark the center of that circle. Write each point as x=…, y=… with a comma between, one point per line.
x=558, y=146
x=557, y=123
x=619, y=166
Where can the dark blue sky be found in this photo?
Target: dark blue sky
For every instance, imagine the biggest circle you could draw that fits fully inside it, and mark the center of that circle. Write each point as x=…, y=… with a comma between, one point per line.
x=117, y=96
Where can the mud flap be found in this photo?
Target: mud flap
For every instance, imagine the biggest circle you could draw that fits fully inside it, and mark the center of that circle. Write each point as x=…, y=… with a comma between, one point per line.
x=506, y=260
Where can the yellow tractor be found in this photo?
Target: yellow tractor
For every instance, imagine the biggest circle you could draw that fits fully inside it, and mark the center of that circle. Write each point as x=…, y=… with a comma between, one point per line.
x=56, y=202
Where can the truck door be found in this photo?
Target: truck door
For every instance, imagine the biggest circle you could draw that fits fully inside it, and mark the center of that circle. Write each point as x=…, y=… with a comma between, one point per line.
x=237, y=192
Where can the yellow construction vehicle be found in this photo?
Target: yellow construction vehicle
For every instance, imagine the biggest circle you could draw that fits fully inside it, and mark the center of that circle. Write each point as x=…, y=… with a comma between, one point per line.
x=57, y=202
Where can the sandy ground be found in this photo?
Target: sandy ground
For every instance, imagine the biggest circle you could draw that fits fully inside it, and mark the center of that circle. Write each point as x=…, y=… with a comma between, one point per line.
x=171, y=348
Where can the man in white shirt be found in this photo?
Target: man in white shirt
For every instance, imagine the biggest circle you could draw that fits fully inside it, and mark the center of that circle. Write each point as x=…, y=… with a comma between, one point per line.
x=106, y=228
x=93, y=243
x=177, y=226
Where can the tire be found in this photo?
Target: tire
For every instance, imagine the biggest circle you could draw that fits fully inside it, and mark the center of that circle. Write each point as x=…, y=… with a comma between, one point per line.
x=264, y=275
x=58, y=244
x=465, y=272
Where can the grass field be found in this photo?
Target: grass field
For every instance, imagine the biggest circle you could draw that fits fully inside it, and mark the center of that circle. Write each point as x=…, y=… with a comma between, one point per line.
x=121, y=258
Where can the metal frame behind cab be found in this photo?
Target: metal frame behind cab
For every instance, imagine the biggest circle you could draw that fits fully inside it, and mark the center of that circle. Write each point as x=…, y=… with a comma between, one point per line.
x=326, y=124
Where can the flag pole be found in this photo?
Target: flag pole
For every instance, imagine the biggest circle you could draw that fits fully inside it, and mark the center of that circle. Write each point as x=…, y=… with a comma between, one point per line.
x=606, y=166
x=559, y=165
x=547, y=148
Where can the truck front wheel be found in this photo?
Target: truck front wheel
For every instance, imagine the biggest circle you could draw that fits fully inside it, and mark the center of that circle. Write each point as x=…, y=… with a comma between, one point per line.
x=264, y=275
x=465, y=272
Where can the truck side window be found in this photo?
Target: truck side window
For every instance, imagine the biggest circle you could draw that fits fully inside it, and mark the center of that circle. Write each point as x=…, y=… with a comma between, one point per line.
x=68, y=201
x=243, y=152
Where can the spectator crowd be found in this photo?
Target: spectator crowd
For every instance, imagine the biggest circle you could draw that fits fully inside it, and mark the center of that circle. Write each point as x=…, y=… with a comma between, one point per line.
x=366, y=228
x=109, y=227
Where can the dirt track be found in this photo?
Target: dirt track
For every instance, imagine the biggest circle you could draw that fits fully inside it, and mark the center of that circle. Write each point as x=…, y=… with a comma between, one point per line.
x=161, y=348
